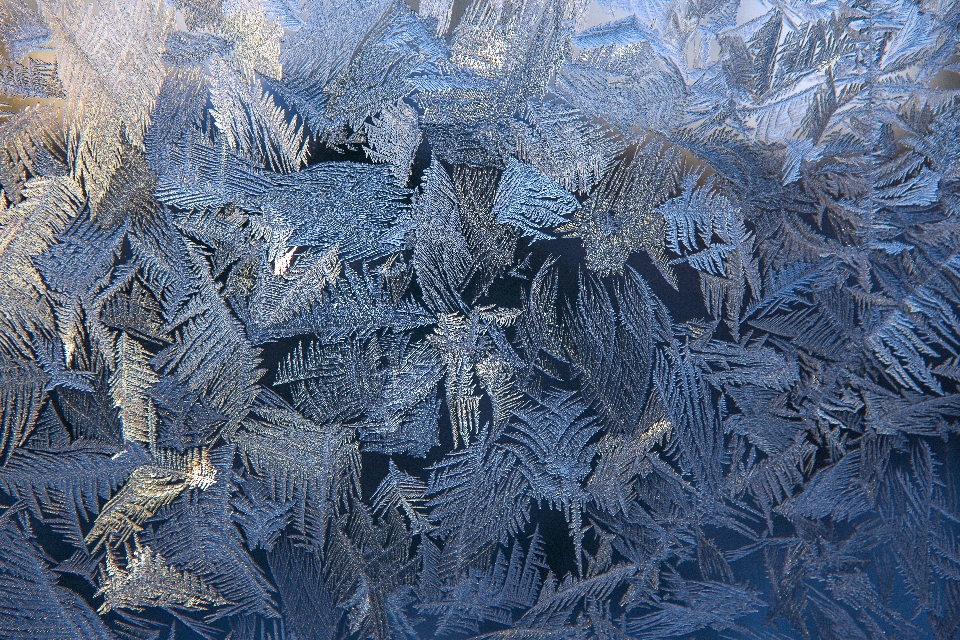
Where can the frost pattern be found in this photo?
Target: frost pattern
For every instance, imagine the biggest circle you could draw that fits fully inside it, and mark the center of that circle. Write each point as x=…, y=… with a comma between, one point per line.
x=506, y=319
